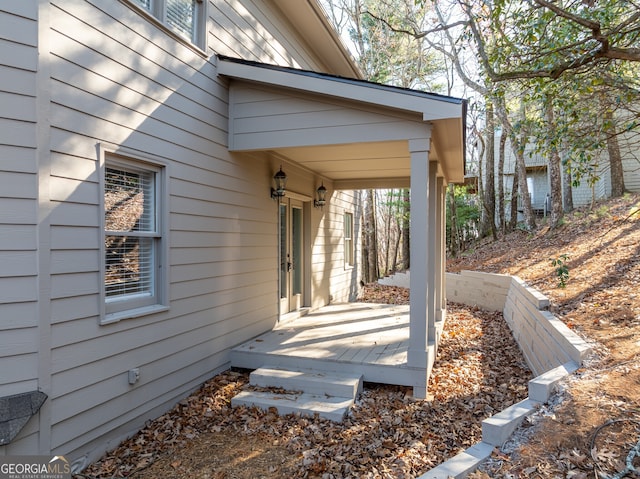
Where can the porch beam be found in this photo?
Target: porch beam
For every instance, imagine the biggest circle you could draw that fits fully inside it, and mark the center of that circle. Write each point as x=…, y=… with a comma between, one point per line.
x=418, y=352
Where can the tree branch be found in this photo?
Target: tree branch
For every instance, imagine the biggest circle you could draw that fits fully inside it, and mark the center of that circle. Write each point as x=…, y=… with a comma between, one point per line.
x=590, y=24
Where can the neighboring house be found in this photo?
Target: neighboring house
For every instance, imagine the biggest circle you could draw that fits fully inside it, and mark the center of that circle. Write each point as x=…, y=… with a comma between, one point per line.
x=139, y=240
x=538, y=180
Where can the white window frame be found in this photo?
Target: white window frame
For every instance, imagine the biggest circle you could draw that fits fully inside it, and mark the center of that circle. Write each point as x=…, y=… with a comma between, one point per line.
x=157, y=11
x=349, y=243
x=116, y=308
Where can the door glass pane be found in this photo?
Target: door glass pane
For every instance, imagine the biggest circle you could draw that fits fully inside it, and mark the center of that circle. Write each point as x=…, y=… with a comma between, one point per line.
x=283, y=251
x=296, y=250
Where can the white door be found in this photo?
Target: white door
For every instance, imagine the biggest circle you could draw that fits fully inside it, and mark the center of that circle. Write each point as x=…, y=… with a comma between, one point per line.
x=291, y=255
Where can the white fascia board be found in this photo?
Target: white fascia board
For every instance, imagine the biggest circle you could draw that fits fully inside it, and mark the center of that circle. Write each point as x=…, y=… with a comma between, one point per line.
x=432, y=108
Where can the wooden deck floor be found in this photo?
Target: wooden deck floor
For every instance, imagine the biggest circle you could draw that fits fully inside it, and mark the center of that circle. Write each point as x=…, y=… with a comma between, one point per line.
x=370, y=339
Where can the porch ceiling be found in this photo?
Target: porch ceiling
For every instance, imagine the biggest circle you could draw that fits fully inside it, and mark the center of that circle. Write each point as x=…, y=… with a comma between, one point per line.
x=351, y=132
x=356, y=165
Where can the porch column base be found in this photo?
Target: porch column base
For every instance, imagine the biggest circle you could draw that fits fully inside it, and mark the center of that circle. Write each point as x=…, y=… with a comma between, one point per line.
x=419, y=360
x=420, y=392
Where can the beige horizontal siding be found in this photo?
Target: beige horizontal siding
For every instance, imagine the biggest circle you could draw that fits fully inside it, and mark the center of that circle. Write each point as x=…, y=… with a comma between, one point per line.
x=118, y=82
x=164, y=102
x=19, y=334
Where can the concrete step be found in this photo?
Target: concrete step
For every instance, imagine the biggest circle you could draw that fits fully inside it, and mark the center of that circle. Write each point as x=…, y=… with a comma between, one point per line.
x=312, y=382
x=329, y=407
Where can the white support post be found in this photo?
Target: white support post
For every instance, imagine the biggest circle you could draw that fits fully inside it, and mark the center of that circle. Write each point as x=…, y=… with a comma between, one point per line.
x=418, y=353
x=440, y=250
x=433, y=253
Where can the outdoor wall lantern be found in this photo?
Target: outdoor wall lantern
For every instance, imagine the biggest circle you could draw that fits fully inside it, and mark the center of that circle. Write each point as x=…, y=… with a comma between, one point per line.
x=281, y=181
x=322, y=192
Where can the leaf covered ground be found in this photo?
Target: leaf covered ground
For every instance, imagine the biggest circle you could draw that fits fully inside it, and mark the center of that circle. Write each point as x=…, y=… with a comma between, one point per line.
x=479, y=372
x=589, y=427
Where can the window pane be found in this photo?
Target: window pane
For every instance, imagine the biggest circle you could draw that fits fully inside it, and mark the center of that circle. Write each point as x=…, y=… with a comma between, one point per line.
x=146, y=4
x=283, y=251
x=296, y=251
x=347, y=225
x=128, y=201
x=129, y=266
x=131, y=237
x=180, y=16
x=348, y=239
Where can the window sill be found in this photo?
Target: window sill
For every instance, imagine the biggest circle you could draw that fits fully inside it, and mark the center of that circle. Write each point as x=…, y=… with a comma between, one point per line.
x=110, y=318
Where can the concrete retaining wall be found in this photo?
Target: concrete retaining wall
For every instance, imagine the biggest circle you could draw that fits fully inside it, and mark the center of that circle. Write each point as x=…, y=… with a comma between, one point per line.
x=546, y=342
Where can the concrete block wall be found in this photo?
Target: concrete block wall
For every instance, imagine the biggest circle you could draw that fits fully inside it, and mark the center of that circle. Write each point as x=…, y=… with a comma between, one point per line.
x=546, y=342
x=473, y=288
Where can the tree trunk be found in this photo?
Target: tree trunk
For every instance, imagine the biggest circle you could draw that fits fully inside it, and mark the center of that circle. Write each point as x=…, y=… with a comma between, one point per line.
x=365, y=238
x=501, y=199
x=615, y=158
x=555, y=175
x=513, y=217
x=398, y=231
x=406, y=229
x=489, y=195
x=567, y=199
x=521, y=170
x=371, y=241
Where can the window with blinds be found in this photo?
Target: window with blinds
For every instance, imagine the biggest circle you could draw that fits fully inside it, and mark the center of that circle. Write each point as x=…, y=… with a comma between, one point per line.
x=181, y=16
x=131, y=237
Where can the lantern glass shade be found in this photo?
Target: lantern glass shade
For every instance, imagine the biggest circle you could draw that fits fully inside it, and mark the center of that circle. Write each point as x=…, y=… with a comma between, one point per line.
x=322, y=191
x=281, y=182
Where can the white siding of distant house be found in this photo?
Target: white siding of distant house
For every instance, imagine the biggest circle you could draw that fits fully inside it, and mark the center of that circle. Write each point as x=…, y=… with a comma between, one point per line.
x=119, y=82
x=584, y=193
x=18, y=208
x=629, y=146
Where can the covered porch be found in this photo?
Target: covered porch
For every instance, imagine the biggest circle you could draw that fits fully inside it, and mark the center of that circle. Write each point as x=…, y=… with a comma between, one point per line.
x=361, y=338
x=350, y=134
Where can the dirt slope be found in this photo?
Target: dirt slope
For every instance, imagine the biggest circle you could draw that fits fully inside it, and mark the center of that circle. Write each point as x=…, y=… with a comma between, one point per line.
x=598, y=422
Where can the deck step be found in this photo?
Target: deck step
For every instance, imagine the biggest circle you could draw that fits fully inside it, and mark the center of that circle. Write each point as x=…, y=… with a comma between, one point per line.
x=329, y=407
x=310, y=381
x=307, y=392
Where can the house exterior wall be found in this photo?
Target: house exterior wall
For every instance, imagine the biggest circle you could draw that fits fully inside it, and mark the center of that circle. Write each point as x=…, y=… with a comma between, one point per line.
x=19, y=210
x=110, y=81
x=256, y=30
x=340, y=280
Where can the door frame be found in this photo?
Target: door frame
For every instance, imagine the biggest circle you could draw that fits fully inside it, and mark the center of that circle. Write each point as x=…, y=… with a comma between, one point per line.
x=291, y=300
